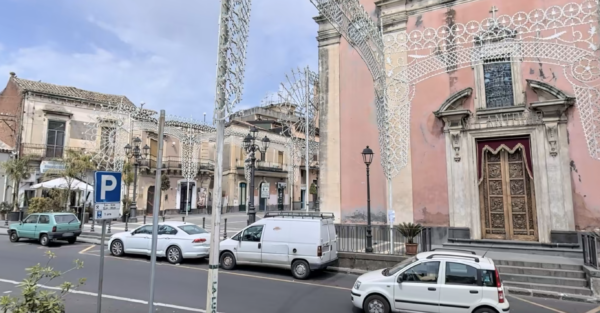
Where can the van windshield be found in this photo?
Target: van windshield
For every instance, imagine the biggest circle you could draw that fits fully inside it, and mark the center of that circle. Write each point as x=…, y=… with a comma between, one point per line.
x=393, y=270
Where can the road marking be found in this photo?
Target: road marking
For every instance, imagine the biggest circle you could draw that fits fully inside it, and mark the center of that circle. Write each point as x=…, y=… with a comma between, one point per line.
x=87, y=293
x=86, y=249
x=596, y=310
x=231, y=273
x=7, y=292
x=537, y=304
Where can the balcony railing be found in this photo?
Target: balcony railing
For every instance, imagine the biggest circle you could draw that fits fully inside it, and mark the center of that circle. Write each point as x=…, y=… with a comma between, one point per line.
x=262, y=165
x=39, y=151
x=176, y=163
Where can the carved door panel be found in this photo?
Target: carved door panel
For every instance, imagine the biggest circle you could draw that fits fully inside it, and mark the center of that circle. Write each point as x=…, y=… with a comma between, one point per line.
x=507, y=197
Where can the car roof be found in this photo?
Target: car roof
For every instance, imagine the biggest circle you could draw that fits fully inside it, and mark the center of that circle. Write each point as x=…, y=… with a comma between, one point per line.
x=464, y=256
x=175, y=223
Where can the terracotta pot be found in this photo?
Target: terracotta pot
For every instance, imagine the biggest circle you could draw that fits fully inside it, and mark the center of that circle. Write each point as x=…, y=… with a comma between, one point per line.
x=411, y=248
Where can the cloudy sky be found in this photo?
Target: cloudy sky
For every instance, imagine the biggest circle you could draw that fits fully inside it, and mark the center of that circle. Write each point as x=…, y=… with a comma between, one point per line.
x=151, y=51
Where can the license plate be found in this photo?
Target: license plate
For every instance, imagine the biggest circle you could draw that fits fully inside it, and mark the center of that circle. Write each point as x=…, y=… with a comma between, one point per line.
x=68, y=235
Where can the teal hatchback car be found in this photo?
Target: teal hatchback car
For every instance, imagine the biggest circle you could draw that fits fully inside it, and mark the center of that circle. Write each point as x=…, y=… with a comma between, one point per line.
x=47, y=227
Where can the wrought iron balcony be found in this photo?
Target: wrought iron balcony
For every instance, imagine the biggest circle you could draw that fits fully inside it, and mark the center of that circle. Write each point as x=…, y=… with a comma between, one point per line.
x=44, y=152
x=176, y=163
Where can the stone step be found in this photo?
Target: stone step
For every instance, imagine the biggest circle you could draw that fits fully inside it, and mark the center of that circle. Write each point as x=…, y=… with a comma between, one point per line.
x=539, y=265
x=556, y=281
x=553, y=288
x=558, y=273
x=515, y=243
x=532, y=250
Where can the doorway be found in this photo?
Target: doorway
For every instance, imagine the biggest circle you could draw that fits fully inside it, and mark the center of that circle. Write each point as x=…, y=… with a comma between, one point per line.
x=150, y=200
x=507, y=196
x=262, y=203
x=242, y=197
x=185, y=196
x=302, y=199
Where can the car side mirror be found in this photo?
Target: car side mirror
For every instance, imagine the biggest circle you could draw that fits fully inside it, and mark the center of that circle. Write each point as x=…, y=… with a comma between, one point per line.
x=132, y=233
x=399, y=279
x=21, y=223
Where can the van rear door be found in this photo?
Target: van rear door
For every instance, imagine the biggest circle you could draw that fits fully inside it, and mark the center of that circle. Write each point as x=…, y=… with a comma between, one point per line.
x=333, y=240
x=66, y=222
x=326, y=242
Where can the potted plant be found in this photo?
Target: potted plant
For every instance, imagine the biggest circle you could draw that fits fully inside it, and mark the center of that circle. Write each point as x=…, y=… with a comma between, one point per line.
x=126, y=208
x=4, y=209
x=410, y=231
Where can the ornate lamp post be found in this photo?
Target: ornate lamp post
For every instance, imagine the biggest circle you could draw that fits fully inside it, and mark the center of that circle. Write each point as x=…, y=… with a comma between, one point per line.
x=367, y=155
x=138, y=155
x=251, y=147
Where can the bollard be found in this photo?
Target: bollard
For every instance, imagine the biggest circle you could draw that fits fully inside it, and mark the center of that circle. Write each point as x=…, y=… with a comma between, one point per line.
x=93, y=223
x=163, y=218
x=126, y=222
x=144, y=219
x=225, y=230
x=203, y=222
x=109, y=224
x=6, y=219
x=183, y=219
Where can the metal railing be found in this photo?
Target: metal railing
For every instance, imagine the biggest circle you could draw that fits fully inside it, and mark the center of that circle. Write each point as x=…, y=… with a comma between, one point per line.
x=353, y=238
x=41, y=151
x=174, y=163
x=590, y=250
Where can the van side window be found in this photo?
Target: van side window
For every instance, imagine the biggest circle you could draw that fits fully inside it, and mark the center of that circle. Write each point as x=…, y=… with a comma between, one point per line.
x=253, y=233
x=44, y=219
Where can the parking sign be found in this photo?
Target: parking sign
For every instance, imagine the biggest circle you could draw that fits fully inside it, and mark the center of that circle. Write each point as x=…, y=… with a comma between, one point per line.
x=107, y=195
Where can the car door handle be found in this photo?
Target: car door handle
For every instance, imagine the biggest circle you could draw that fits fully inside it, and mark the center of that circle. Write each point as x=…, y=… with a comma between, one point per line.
x=259, y=245
x=431, y=289
x=474, y=291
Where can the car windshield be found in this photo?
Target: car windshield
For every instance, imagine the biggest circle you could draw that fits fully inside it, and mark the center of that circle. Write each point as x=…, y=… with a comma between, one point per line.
x=393, y=270
x=65, y=218
x=192, y=229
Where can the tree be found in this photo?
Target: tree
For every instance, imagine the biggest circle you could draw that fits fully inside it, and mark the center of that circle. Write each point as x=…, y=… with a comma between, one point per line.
x=77, y=164
x=128, y=177
x=35, y=300
x=17, y=170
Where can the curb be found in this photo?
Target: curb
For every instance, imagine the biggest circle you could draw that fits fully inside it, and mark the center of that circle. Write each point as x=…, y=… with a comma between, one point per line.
x=345, y=270
x=550, y=295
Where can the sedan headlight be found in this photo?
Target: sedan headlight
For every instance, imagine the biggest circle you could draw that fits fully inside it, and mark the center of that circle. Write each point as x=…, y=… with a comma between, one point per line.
x=357, y=285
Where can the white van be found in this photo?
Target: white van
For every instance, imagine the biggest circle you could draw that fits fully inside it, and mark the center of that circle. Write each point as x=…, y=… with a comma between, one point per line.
x=300, y=241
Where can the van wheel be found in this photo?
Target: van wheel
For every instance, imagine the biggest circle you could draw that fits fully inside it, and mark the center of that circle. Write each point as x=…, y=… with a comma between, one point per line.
x=300, y=269
x=44, y=241
x=14, y=237
x=485, y=310
x=227, y=261
x=376, y=304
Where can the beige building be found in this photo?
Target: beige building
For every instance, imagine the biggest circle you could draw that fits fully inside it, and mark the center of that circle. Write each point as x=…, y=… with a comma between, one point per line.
x=55, y=119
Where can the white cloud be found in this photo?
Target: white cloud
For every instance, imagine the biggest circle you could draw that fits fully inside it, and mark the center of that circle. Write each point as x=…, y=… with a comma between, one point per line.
x=165, y=55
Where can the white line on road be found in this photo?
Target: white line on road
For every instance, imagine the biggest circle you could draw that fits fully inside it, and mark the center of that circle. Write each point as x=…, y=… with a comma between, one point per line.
x=87, y=293
x=7, y=292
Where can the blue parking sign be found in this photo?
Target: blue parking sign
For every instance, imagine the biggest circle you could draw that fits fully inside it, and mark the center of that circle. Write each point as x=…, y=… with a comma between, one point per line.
x=98, y=214
x=107, y=187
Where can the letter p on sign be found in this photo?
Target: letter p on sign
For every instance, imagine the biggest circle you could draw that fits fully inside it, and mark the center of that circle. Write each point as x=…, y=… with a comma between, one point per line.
x=104, y=186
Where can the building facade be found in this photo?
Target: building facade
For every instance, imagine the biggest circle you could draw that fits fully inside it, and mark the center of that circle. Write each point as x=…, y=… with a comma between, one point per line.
x=503, y=105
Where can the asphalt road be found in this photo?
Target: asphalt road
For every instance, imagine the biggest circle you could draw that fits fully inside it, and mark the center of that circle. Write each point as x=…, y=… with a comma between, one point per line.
x=183, y=288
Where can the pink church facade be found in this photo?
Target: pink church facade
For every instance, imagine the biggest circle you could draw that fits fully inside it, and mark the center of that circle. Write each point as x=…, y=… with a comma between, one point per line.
x=503, y=113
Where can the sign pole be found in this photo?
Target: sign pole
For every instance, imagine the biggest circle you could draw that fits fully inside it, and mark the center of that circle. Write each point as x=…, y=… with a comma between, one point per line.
x=156, y=208
x=101, y=271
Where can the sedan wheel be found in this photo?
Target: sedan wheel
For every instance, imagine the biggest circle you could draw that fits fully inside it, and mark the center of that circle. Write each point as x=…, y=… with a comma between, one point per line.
x=116, y=248
x=376, y=304
x=14, y=237
x=174, y=255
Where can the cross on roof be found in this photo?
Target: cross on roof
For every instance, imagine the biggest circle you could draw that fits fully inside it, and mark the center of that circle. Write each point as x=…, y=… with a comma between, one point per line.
x=493, y=11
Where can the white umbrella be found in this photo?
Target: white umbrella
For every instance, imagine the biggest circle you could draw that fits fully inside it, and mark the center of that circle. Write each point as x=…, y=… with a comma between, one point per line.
x=61, y=183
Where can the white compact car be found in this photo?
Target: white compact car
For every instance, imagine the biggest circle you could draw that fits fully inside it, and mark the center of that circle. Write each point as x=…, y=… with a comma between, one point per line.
x=300, y=241
x=176, y=241
x=443, y=280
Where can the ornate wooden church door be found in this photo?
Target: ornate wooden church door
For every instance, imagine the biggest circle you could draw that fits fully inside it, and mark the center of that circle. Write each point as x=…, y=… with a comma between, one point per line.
x=507, y=196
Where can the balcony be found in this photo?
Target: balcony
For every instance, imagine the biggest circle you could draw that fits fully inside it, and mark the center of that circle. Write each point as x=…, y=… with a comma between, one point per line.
x=45, y=152
x=176, y=163
x=262, y=165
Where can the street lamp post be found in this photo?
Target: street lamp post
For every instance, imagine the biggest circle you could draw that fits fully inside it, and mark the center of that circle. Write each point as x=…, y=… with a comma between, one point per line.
x=251, y=147
x=367, y=155
x=138, y=155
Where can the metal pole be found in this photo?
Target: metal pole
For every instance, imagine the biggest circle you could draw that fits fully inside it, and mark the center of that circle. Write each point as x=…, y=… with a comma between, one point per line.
x=306, y=161
x=369, y=236
x=161, y=129
x=187, y=193
x=133, y=206
x=292, y=180
x=251, y=208
x=213, y=260
x=390, y=208
x=101, y=271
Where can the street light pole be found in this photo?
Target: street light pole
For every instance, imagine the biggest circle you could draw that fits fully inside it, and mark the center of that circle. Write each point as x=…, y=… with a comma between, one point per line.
x=251, y=147
x=132, y=211
x=368, y=158
x=138, y=155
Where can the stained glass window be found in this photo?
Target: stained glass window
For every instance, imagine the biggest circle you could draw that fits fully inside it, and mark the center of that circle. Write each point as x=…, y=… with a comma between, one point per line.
x=498, y=85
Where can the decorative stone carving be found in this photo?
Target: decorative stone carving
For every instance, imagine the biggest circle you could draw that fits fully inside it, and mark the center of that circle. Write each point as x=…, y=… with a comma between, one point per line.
x=454, y=118
x=552, y=136
x=456, y=145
